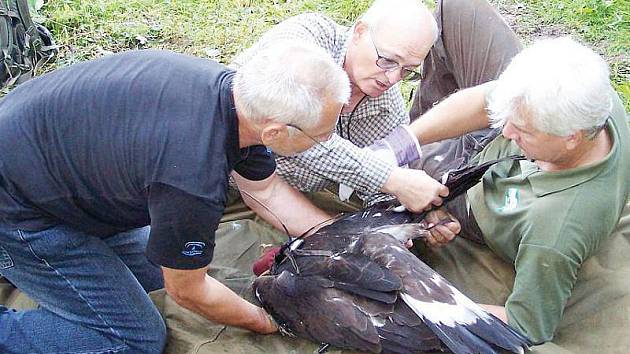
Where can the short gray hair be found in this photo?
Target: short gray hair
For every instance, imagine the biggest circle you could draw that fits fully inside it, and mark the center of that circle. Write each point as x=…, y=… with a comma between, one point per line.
x=289, y=82
x=561, y=84
x=404, y=10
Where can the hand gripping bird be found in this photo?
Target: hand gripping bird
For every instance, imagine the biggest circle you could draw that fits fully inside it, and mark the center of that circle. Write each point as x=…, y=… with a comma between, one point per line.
x=354, y=285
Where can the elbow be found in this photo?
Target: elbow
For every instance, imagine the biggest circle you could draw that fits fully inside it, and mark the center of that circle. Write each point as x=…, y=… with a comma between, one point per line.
x=181, y=296
x=259, y=199
x=250, y=202
x=535, y=329
x=255, y=203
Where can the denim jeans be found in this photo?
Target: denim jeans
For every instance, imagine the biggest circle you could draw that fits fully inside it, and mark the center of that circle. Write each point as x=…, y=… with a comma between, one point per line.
x=92, y=292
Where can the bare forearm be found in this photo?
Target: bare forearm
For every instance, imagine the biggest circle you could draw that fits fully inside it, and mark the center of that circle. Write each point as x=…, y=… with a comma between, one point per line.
x=216, y=302
x=278, y=203
x=497, y=311
x=294, y=210
x=461, y=113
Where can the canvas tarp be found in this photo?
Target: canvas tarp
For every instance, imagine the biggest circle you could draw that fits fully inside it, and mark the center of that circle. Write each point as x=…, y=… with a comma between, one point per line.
x=596, y=319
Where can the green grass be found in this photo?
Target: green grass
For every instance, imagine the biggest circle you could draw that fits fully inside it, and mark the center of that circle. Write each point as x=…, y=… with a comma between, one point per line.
x=218, y=29
x=605, y=24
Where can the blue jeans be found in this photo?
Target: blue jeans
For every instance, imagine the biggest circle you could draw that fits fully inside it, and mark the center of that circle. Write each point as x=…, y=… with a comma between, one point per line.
x=92, y=293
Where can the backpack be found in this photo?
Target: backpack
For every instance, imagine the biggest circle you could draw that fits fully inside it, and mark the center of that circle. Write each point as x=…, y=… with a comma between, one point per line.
x=25, y=46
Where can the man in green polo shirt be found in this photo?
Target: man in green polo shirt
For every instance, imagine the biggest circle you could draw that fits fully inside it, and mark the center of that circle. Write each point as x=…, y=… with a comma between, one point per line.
x=546, y=215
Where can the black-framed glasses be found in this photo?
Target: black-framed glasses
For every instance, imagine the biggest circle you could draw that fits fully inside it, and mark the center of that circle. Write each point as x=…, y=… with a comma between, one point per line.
x=387, y=64
x=317, y=142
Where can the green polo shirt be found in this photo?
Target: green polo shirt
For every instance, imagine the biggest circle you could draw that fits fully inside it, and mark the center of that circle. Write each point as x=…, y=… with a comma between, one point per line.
x=548, y=223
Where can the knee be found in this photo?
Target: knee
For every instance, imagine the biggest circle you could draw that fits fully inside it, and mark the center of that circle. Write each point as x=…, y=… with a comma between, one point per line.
x=151, y=339
x=158, y=337
x=462, y=8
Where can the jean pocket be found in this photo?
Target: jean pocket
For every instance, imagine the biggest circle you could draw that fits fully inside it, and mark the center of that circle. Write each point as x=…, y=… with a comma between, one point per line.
x=5, y=259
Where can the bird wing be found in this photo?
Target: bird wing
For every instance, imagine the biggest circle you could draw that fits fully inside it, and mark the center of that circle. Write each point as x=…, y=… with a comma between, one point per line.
x=459, y=322
x=346, y=269
x=311, y=307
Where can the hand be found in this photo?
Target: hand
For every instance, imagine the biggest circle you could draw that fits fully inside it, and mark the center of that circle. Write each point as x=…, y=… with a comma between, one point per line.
x=443, y=228
x=266, y=324
x=415, y=189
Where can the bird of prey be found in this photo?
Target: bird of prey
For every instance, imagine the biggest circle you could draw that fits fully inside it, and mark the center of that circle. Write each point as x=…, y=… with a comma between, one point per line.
x=354, y=285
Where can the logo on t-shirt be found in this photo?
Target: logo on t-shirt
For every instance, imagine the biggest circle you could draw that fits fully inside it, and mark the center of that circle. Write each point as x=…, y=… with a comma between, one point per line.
x=511, y=200
x=193, y=248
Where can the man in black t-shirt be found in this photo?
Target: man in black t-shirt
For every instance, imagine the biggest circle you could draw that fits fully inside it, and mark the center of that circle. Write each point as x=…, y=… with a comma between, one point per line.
x=93, y=154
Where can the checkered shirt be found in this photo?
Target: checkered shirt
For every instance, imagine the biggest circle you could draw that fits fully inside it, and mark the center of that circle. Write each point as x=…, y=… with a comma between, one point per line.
x=346, y=161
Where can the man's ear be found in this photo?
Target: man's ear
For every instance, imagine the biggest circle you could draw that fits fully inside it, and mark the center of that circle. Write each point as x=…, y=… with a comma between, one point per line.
x=572, y=141
x=360, y=29
x=272, y=133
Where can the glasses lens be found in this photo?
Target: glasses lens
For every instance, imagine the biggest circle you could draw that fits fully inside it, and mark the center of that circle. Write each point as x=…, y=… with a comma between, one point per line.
x=385, y=63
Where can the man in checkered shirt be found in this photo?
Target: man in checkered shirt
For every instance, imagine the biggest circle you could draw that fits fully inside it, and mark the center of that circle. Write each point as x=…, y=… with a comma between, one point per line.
x=385, y=45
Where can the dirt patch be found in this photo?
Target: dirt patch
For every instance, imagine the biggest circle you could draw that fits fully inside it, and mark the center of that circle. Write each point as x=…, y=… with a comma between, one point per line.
x=525, y=23
x=529, y=27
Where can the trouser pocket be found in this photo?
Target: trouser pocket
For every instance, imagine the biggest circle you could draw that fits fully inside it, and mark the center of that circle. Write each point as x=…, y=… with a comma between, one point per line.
x=5, y=259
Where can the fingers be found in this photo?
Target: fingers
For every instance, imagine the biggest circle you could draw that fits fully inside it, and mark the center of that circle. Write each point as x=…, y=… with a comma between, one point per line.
x=440, y=236
x=443, y=191
x=428, y=198
x=437, y=215
x=416, y=190
x=443, y=228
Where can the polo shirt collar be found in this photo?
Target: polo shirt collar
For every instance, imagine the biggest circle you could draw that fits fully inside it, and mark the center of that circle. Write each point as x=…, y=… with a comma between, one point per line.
x=544, y=183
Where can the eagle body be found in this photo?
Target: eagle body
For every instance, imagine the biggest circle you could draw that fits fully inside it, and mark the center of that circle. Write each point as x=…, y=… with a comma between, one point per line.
x=354, y=285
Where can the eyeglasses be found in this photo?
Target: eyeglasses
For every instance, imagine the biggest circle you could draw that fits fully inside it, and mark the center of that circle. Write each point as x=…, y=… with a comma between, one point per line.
x=387, y=64
x=317, y=142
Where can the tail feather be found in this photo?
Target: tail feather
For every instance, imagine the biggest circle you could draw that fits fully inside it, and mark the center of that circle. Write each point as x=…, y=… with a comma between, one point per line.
x=482, y=334
x=460, y=340
x=497, y=332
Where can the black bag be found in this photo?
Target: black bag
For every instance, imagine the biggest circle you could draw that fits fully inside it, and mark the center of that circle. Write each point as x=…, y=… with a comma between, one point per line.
x=25, y=45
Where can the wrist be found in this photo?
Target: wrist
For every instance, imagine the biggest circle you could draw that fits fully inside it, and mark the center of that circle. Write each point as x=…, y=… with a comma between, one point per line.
x=391, y=183
x=264, y=322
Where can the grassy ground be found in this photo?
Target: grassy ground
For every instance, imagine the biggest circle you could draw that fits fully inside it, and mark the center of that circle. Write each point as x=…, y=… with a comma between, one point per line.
x=603, y=24
x=218, y=29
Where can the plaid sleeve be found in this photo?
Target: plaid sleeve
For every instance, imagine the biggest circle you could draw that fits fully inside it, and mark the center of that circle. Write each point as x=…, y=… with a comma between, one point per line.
x=347, y=162
x=343, y=162
x=373, y=119
x=391, y=113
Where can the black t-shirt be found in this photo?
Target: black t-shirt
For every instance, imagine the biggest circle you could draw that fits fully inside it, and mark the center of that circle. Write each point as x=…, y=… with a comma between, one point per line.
x=128, y=140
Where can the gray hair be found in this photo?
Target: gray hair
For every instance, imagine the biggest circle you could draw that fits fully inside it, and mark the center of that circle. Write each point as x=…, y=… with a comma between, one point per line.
x=401, y=10
x=562, y=85
x=289, y=82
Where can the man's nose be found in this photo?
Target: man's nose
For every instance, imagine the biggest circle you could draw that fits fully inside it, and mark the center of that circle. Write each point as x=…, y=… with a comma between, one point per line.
x=393, y=76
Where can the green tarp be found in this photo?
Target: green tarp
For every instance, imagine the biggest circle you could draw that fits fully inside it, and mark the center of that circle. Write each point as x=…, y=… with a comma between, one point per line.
x=596, y=319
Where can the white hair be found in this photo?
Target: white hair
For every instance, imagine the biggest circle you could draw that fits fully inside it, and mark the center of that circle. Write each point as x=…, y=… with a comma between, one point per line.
x=563, y=86
x=400, y=10
x=289, y=82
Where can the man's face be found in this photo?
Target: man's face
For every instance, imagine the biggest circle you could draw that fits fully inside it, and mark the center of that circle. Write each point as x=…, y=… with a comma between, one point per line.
x=367, y=45
x=302, y=139
x=536, y=145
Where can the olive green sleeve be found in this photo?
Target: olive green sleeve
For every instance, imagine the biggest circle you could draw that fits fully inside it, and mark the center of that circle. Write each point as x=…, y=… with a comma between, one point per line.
x=544, y=281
